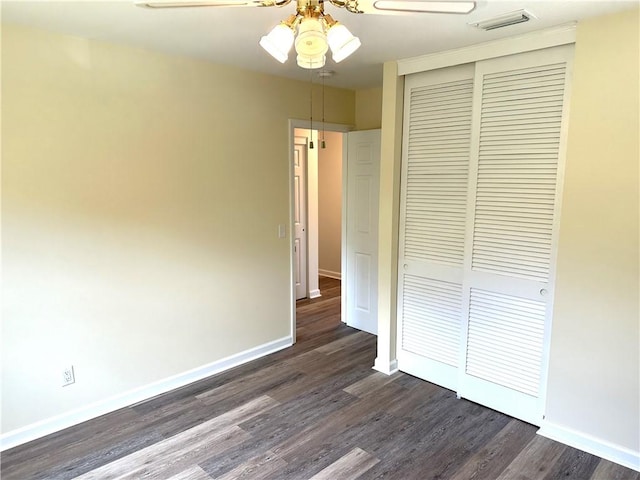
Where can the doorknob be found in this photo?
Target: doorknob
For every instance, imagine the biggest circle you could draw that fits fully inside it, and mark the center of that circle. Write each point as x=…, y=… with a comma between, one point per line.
x=543, y=292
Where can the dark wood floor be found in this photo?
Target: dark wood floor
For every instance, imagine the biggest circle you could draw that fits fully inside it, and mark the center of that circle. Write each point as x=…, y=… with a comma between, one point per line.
x=315, y=410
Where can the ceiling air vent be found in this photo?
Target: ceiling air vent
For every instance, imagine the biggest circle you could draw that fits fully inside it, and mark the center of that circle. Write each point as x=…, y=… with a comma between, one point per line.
x=513, y=18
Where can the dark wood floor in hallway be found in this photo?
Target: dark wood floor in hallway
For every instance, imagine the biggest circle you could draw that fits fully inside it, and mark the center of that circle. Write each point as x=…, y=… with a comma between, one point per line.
x=316, y=410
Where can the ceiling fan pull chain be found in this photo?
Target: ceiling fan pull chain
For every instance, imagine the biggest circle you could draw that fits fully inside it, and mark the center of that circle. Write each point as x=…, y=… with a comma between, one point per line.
x=323, y=144
x=310, y=109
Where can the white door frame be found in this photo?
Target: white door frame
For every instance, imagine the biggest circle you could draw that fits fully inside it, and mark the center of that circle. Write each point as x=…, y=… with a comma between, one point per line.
x=304, y=124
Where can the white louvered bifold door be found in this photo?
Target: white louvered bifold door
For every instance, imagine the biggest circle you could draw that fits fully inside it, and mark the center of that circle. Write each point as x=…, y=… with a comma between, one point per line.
x=437, y=137
x=518, y=141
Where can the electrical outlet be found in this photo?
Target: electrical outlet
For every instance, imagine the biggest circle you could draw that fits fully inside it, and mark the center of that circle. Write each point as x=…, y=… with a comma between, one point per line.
x=68, y=377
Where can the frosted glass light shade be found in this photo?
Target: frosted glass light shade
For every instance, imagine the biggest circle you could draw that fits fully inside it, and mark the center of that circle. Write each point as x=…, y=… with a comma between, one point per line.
x=311, y=40
x=278, y=42
x=342, y=42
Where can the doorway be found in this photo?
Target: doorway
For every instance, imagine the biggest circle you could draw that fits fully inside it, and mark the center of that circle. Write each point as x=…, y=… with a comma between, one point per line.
x=316, y=187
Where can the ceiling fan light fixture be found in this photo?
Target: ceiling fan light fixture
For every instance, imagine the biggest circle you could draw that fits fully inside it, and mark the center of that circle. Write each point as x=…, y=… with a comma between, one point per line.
x=342, y=42
x=313, y=31
x=278, y=42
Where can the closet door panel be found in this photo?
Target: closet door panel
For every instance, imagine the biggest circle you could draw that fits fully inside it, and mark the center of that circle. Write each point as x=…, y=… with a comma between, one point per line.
x=512, y=229
x=433, y=217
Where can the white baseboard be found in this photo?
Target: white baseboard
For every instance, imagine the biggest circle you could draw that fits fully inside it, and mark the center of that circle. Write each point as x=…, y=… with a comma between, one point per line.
x=384, y=367
x=595, y=446
x=51, y=425
x=330, y=274
x=314, y=294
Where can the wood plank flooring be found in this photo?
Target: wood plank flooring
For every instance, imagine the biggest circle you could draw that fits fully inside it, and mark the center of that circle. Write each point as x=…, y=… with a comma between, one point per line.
x=313, y=411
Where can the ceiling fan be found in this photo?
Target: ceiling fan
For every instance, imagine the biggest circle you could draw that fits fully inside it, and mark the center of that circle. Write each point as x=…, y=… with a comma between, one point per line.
x=317, y=31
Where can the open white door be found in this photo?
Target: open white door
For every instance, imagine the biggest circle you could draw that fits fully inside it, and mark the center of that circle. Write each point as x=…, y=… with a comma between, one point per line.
x=362, y=195
x=300, y=216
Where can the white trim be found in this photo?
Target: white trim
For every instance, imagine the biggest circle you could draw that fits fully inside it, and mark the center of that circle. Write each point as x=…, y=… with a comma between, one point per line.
x=383, y=367
x=330, y=274
x=551, y=37
x=54, y=424
x=343, y=223
x=315, y=293
x=595, y=446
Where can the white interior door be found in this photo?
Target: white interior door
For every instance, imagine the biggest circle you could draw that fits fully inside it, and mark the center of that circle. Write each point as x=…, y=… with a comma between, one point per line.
x=300, y=216
x=363, y=182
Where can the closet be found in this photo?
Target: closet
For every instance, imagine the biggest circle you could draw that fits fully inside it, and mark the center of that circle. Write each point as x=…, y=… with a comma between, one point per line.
x=483, y=150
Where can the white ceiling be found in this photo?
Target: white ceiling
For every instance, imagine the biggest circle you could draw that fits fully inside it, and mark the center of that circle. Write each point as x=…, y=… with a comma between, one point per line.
x=230, y=35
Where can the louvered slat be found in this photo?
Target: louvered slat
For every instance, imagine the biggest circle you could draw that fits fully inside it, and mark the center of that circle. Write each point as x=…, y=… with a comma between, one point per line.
x=520, y=125
x=505, y=340
x=439, y=133
x=431, y=318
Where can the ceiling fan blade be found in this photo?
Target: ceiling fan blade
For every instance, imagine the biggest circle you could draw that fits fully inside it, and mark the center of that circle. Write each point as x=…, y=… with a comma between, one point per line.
x=199, y=3
x=399, y=7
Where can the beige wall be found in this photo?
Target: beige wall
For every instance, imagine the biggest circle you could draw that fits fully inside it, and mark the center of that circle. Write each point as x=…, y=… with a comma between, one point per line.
x=141, y=195
x=369, y=108
x=595, y=364
x=330, y=204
